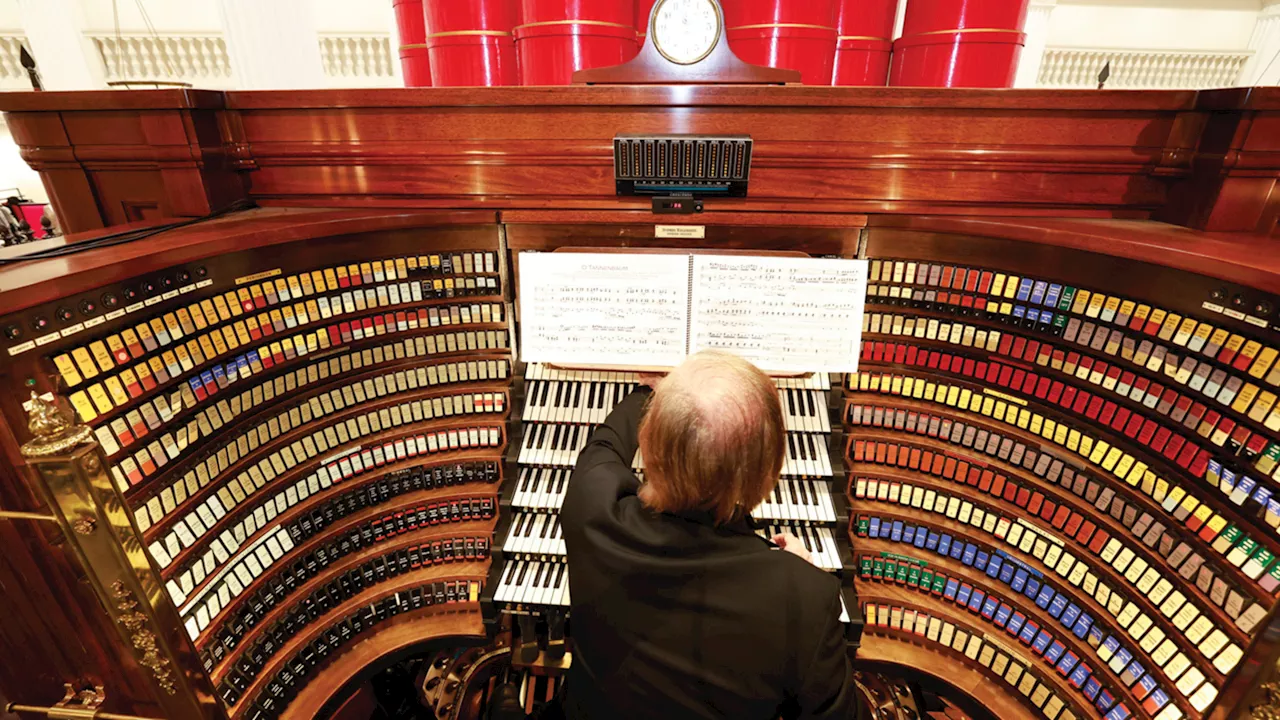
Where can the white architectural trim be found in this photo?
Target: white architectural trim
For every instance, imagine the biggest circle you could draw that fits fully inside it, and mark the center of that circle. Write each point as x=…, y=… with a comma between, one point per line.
x=64, y=55
x=273, y=45
x=1039, y=15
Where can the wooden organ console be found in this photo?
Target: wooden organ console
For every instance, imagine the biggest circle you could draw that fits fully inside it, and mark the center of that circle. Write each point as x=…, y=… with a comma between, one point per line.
x=315, y=451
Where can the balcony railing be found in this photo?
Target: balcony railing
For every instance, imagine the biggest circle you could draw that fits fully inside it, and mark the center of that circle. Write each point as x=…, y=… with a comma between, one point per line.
x=362, y=60
x=12, y=75
x=198, y=59
x=1141, y=69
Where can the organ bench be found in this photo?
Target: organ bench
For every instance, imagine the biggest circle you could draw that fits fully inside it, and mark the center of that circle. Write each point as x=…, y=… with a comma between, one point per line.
x=287, y=320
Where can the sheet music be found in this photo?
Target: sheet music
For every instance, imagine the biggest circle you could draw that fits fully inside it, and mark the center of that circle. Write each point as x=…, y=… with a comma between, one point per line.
x=604, y=308
x=783, y=314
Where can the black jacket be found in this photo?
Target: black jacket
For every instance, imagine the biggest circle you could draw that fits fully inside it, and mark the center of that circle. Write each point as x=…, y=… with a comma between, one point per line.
x=674, y=618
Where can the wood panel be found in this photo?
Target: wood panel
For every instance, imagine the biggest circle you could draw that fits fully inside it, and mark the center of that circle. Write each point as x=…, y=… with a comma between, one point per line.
x=848, y=150
x=1233, y=183
x=108, y=159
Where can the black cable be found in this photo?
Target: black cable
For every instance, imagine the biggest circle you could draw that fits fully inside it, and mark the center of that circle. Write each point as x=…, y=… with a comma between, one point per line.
x=122, y=238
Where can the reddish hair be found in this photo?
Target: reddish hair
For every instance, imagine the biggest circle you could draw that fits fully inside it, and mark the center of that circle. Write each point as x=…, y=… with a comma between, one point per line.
x=712, y=438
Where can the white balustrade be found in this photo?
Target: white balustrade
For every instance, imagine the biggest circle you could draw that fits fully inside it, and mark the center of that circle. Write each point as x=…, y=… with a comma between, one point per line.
x=1142, y=69
x=12, y=75
x=198, y=59
x=364, y=60
x=350, y=60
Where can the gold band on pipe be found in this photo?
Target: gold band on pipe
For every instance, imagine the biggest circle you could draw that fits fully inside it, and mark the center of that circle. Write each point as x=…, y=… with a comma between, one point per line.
x=862, y=37
x=413, y=46
x=54, y=711
x=601, y=23
x=490, y=33
x=783, y=25
x=965, y=30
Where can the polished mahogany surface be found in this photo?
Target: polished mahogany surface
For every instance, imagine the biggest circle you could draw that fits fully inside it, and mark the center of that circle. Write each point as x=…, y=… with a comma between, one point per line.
x=1164, y=355
x=1032, y=152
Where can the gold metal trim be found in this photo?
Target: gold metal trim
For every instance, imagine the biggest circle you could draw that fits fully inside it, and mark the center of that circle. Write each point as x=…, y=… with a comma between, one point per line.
x=70, y=471
x=783, y=25
x=1268, y=709
x=601, y=23
x=964, y=30
x=83, y=704
x=54, y=431
x=20, y=515
x=657, y=42
x=861, y=37
x=458, y=33
x=144, y=640
x=413, y=46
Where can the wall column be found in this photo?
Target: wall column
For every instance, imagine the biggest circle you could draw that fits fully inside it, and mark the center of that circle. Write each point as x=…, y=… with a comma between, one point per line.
x=272, y=45
x=1037, y=30
x=1264, y=67
x=64, y=56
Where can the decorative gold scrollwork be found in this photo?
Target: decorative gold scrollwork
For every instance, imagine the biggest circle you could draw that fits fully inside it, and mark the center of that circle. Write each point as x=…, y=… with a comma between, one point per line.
x=143, y=639
x=54, y=430
x=1269, y=710
x=84, y=526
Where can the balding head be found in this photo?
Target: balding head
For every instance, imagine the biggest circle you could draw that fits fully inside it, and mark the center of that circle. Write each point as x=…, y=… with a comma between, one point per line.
x=712, y=438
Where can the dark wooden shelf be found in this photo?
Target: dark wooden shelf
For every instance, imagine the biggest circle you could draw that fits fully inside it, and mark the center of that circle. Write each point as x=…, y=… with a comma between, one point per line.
x=1102, y=520
x=179, y=562
x=159, y=528
x=1059, y=344
x=963, y=621
x=1029, y=609
x=470, y=625
x=341, y=566
x=1121, y=489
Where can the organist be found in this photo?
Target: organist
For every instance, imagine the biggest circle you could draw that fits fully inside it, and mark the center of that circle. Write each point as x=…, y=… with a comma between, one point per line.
x=679, y=608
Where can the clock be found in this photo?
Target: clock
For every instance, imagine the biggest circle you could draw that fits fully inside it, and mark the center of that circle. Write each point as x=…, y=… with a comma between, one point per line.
x=686, y=44
x=686, y=31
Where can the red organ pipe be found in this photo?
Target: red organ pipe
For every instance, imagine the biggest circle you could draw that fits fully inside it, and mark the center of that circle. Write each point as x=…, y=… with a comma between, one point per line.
x=415, y=64
x=557, y=37
x=785, y=34
x=959, y=43
x=644, y=8
x=865, y=41
x=470, y=42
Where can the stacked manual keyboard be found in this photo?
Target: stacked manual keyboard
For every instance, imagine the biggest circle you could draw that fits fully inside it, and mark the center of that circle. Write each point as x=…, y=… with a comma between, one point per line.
x=557, y=411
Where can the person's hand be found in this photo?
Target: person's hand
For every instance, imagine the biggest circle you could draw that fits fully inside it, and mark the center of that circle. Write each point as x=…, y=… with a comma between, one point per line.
x=794, y=545
x=650, y=379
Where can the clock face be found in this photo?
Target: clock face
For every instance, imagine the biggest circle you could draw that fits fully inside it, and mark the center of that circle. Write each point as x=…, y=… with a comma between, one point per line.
x=685, y=31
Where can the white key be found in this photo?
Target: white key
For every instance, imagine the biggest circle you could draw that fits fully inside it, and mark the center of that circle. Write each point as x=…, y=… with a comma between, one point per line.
x=533, y=537
x=526, y=590
x=547, y=436
x=534, y=497
x=564, y=410
x=504, y=584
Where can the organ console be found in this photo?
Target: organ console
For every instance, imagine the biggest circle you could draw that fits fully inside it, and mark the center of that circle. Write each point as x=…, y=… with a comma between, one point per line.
x=259, y=455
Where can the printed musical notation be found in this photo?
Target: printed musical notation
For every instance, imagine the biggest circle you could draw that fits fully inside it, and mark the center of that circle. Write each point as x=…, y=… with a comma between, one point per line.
x=604, y=309
x=783, y=314
x=632, y=310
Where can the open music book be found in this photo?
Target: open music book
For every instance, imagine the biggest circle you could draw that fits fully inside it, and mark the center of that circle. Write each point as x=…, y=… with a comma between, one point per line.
x=640, y=311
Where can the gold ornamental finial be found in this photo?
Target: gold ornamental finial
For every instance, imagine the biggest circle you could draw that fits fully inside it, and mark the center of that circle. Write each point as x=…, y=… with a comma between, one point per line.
x=54, y=430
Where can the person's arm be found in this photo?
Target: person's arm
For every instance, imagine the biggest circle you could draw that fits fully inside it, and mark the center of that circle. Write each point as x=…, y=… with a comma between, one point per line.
x=826, y=688
x=617, y=439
